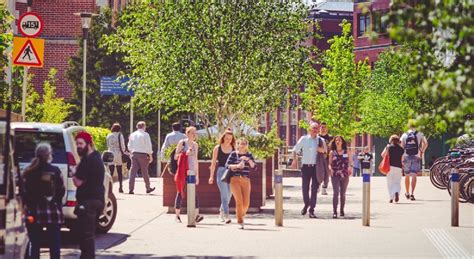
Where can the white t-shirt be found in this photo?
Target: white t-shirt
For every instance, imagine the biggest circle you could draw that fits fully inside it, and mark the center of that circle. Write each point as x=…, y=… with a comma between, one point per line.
x=419, y=137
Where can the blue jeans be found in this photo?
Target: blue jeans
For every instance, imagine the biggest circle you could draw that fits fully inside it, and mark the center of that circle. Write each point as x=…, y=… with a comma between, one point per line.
x=53, y=236
x=224, y=189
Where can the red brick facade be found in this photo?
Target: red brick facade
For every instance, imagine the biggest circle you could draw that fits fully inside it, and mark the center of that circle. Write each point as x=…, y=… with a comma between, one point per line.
x=61, y=31
x=365, y=47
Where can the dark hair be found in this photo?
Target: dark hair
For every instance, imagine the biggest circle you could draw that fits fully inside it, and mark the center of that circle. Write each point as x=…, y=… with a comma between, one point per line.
x=324, y=123
x=227, y=132
x=116, y=127
x=176, y=126
x=333, y=143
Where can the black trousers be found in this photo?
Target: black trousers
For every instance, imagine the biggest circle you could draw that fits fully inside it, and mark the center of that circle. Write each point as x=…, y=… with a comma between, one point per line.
x=87, y=219
x=308, y=176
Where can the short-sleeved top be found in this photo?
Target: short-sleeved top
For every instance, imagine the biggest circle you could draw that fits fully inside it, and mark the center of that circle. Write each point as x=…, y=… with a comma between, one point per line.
x=222, y=157
x=340, y=163
x=395, y=152
x=91, y=171
x=365, y=160
x=309, y=147
x=327, y=138
x=235, y=158
x=419, y=136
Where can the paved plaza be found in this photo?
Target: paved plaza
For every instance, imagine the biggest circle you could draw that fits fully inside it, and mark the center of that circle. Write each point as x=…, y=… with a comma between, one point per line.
x=410, y=229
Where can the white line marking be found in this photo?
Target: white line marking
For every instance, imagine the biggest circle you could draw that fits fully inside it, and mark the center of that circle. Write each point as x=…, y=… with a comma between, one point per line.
x=446, y=244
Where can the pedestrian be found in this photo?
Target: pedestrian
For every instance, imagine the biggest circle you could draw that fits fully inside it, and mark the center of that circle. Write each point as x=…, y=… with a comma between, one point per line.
x=187, y=156
x=355, y=163
x=240, y=162
x=220, y=155
x=139, y=144
x=42, y=194
x=394, y=176
x=415, y=144
x=116, y=145
x=89, y=180
x=339, y=171
x=309, y=145
x=328, y=138
x=365, y=159
x=172, y=138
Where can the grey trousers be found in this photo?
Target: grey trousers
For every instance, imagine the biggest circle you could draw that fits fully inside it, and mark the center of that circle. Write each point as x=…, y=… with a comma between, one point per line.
x=339, y=185
x=139, y=161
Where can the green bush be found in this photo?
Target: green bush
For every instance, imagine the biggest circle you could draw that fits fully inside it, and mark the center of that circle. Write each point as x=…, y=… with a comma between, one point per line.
x=100, y=137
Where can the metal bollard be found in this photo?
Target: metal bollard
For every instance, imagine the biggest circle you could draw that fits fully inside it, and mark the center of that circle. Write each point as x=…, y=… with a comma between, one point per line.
x=191, y=198
x=365, y=198
x=279, y=198
x=454, y=198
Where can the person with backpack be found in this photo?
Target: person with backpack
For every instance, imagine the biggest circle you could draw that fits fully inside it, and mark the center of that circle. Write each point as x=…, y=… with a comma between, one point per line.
x=415, y=144
x=220, y=155
x=116, y=145
x=171, y=139
x=42, y=194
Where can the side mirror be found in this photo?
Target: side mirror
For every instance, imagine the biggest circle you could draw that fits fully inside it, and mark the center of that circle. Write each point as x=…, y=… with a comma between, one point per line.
x=107, y=157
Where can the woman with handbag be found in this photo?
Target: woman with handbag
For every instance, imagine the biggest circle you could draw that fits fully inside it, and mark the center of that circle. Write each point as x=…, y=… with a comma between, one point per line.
x=394, y=176
x=187, y=155
x=116, y=145
x=220, y=155
x=240, y=162
x=339, y=171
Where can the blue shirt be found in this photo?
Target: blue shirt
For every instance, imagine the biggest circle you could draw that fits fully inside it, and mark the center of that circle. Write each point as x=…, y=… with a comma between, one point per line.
x=309, y=147
x=172, y=138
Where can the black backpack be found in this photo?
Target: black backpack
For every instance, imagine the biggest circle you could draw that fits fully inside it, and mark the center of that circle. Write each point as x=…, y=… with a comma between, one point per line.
x=173, y=165
x=411, y=143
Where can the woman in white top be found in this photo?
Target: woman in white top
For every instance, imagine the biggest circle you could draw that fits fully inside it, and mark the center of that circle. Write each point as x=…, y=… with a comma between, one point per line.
x=116, y=145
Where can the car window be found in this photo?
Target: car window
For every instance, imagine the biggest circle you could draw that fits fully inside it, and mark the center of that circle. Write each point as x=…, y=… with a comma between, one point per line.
x=26, y=142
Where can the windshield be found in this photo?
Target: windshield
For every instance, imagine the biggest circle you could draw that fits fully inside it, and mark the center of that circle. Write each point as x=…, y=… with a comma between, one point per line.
x=26, y=142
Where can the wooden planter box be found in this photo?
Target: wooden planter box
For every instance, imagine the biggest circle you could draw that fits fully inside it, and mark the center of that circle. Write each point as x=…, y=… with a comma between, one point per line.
x=209, y=196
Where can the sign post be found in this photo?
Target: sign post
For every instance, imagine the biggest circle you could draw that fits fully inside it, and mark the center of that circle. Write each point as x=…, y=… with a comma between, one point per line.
x=366, y=197
x=112, y=85
x=454, y=197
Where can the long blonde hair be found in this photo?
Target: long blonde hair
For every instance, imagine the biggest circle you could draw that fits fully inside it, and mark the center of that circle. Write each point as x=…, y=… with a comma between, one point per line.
x=42, y=154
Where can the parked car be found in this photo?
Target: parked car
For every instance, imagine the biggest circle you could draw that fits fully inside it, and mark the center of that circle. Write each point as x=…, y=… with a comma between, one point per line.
x=61, y=137
x=13, y=233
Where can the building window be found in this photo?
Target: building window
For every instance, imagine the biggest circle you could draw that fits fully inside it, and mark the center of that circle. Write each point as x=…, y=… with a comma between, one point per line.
x=364, y=24
x=380, y=24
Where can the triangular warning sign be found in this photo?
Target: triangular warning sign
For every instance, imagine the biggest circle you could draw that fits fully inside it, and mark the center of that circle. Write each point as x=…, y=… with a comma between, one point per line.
x=27, y=55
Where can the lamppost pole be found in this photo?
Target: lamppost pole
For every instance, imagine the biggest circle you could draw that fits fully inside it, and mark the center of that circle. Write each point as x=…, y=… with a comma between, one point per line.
x=86, y=19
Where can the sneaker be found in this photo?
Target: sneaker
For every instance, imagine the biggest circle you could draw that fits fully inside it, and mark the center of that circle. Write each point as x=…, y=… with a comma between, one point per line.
x=177, y=219
x=312, y=215
x=412, y=197
x=199, y=218
x=221, y=216
x=397, y=198
x=334, y=215
x=324, y=191
x=226, y=219
x=241, y=225
x=407, y=195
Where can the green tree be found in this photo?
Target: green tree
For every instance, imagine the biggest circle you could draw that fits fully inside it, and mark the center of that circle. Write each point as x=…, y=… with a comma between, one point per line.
x=52, y=108
x=441, y=36
x=388, y=102
x=5, y=42
x=336, y=100
x=222, y=60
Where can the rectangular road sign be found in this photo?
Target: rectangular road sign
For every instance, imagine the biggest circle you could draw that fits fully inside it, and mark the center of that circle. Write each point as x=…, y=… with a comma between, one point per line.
x=28, y=52
x=110, y=85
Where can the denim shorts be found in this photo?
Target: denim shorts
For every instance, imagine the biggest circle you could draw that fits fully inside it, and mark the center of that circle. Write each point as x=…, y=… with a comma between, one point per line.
x=412, y=164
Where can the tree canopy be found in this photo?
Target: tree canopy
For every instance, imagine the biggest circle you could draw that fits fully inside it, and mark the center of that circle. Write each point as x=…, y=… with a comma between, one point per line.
x=222, y=60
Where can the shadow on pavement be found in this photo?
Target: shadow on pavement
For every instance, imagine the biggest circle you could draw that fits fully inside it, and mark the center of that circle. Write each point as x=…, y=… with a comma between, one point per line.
x=107, y=256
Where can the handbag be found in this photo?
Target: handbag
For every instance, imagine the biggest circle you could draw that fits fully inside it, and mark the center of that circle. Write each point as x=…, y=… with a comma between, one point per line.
x=125, y=158
x=226, y=176
x=384, y=166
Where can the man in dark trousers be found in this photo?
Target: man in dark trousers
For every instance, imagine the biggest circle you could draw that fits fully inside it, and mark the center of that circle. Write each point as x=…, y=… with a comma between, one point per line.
x=89, y=180
x=327, y=138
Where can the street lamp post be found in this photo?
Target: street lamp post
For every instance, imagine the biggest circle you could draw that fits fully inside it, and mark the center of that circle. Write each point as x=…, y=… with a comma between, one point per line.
x=86, y=20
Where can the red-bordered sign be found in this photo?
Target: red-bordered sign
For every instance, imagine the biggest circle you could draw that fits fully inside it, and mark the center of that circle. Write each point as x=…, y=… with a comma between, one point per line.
x=30, y=24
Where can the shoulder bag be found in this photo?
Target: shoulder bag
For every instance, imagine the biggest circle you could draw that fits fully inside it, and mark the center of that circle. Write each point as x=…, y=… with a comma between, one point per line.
x=125, y=157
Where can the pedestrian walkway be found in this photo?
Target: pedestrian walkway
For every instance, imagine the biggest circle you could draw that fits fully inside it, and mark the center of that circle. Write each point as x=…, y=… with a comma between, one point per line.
x=415, y=229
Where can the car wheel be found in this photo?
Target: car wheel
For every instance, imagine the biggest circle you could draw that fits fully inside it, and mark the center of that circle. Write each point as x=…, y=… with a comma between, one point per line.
x=107, y=219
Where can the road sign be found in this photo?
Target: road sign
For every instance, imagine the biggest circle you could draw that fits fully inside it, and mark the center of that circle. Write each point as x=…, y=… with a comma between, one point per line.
x=28, y=52
x=30, y=24
x=110, y=85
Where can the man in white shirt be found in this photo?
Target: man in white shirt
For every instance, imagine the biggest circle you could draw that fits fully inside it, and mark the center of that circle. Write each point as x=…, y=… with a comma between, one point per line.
x=415, y=144
x=139, y=145
x=172, y=138
x=309, y=145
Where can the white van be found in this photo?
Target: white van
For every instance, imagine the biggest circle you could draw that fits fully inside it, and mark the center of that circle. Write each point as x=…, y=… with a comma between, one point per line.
x=61, y=137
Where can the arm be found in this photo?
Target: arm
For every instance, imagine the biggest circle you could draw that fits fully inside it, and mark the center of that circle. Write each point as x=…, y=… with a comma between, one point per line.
x=232, y=162
x=179, y=148
x=213, y=164
x=296, y=149
x=77, y=182
x=424, y=144
x=130, y=142
x=384, y=152
x=251, y=161
x=330, y=163
x=164, y=147
x=196, y=169
x=122, y=143
x=149, y=148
